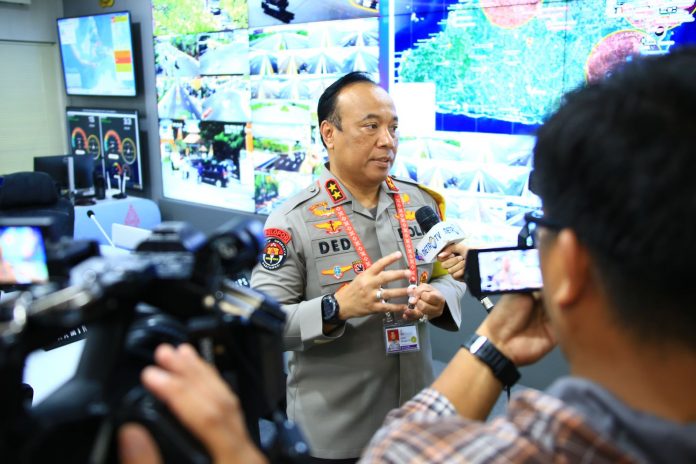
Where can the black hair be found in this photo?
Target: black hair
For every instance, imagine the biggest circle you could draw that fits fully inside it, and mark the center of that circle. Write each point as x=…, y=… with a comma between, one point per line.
x=616, y=164
x=326, y=108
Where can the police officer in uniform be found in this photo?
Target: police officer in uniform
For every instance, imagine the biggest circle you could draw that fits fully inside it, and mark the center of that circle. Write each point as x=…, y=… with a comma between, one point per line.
x=339, y=257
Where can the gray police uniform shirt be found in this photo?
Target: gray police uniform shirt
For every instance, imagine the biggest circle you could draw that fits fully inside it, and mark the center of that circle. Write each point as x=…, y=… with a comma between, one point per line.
x=342, y=385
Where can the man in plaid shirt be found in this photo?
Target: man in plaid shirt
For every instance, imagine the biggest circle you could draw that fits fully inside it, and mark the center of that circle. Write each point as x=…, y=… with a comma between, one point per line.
x=614, y=169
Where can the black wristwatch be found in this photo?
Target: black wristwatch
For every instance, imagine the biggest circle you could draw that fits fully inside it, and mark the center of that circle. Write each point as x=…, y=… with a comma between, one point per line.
x=329, y=310
x=503, y=369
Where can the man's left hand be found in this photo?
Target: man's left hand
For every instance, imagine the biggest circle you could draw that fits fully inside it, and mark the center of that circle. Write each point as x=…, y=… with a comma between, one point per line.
x=426, y=301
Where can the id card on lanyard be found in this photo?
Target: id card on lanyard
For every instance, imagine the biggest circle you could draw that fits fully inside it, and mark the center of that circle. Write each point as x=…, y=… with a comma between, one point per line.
x=399, y=336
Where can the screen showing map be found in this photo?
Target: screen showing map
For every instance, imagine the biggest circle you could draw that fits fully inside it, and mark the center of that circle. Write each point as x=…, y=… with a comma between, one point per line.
x=491, y=71
x=97, y=55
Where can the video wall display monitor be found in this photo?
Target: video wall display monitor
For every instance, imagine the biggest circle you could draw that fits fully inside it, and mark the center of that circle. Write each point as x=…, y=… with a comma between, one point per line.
x=274, y=12
x=113, y=140
x=194, y=16
x=472, y=81
x=206, y=162
x=97, y=55
x=206, y=54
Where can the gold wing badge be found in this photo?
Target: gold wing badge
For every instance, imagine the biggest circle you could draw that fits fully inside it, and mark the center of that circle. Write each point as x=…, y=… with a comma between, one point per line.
x=337, y=271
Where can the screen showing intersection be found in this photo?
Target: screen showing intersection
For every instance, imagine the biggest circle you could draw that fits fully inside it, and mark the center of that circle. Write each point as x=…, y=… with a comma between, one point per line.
x=237, y=88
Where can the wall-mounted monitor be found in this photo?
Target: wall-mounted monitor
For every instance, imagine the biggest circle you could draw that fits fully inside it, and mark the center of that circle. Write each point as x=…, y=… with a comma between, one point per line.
x=97, y=55
x=112, y=138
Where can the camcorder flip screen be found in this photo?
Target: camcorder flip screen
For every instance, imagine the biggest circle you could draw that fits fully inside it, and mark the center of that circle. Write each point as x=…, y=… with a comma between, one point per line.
x=22, y=255
x=502, y=270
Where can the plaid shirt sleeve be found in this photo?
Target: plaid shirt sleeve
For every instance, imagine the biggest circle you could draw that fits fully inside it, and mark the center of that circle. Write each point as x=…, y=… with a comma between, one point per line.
x=538, y=429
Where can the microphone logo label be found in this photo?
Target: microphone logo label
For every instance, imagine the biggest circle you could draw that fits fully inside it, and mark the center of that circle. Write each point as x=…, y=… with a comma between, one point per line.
x=437, y=238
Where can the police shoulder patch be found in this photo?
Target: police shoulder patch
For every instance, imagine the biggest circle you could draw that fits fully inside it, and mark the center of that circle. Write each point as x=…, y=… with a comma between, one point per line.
x=275, y=252
x=282, y=235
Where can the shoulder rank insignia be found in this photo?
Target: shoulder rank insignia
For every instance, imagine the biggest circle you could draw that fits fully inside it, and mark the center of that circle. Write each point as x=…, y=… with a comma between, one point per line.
x=334, y=191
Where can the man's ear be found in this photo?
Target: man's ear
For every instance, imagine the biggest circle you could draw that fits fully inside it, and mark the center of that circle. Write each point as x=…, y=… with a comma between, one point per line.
x=327, y=132
x=574, y=266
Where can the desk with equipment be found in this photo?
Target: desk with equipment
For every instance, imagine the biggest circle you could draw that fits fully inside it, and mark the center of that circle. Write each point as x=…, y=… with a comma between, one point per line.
x=130, y=211
x=47, y=369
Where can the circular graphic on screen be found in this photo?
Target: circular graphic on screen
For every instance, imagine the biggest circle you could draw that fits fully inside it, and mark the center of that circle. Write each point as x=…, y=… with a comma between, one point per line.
x=78, y=140
x=615, y=49
x=506, y=14
x=128, y=151
x=112, y=143
x=94, y=147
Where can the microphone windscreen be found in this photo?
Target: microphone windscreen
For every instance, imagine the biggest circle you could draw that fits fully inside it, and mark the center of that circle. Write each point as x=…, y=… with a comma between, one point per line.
x=90, y=213
x=427, y=218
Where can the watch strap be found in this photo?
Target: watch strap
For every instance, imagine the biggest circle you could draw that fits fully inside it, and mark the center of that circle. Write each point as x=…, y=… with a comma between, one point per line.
x=503, y=369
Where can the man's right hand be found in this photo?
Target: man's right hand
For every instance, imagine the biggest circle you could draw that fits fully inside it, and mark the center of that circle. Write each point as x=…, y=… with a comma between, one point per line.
x=519, y=327
x=359, y=298
x=201, y=400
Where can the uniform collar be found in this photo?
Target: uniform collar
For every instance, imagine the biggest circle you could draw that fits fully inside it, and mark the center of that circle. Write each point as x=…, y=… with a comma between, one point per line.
x=338, y=194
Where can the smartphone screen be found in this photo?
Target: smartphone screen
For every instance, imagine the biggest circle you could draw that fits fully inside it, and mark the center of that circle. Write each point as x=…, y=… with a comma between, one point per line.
x=22, y=256
x=503, y=270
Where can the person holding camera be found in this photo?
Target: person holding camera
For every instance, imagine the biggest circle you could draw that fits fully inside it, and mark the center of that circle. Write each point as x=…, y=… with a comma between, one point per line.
x=613, y=167
x=201, y=400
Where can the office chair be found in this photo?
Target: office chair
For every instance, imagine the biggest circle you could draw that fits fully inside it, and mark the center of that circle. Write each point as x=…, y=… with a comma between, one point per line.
x=34, y=194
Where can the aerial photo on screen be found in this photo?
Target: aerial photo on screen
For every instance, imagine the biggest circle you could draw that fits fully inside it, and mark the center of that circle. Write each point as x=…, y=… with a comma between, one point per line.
x=499, y=67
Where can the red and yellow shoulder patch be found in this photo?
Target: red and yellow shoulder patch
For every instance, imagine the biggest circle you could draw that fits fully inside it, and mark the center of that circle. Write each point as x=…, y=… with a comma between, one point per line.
x=282, y=235
x=275, y=252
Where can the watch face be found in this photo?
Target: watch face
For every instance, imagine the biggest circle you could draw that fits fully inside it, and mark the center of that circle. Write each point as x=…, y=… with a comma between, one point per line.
x=329, y=308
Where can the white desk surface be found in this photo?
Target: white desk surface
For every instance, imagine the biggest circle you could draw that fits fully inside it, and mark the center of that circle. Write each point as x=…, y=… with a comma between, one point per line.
x=131, y=211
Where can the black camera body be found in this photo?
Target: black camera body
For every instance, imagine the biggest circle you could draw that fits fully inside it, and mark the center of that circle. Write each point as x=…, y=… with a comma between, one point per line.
x=178, y=286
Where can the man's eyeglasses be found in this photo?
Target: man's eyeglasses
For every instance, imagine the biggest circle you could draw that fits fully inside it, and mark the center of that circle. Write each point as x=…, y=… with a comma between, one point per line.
x=533, y=220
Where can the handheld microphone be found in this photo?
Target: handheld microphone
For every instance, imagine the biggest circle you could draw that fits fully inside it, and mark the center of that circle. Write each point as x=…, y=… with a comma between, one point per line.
x=93, y=217
x=438, y=235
